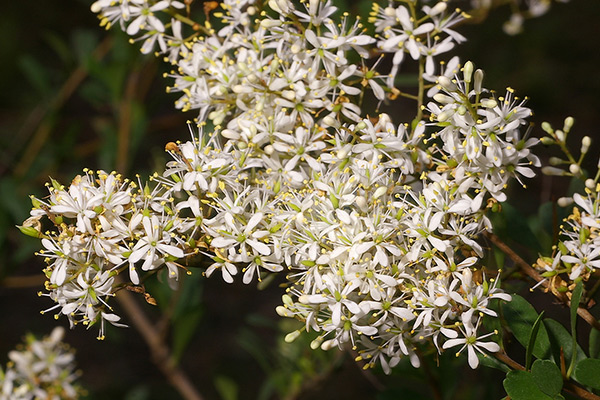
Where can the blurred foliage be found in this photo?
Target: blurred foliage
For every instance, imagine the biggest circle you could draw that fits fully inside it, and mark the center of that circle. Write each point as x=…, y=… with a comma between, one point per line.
x=76, y=96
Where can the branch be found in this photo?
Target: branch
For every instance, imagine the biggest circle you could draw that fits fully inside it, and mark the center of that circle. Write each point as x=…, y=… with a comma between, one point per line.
x=21, y=282
x=576, y=390
x=532, y=273
x=503, y=357
x=159, y=350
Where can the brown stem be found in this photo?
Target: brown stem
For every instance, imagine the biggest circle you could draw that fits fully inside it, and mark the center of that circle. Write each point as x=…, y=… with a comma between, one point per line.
x=576, y=390
x=532, y=273
x=502, y=356
x=159, y=350
x=21, y=282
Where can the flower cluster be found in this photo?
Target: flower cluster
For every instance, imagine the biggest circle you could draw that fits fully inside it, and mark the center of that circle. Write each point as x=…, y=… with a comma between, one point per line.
x=104, y=225
x=138, y=18
x=422, y=36
x=374, y=222
x=44, y=369
x=577, y=254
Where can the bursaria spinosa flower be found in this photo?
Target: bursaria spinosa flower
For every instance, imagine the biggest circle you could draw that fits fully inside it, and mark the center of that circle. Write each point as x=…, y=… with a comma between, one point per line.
x=376, y=222
x=41, y=369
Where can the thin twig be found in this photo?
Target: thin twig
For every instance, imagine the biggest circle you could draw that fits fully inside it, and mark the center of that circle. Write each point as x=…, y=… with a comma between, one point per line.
x=532, y=273
x=21, y=282
x=503, y=357
x=576, y=390
x=159, y=350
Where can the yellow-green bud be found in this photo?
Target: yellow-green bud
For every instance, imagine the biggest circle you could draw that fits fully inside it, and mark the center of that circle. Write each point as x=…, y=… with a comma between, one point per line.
x=468, y=71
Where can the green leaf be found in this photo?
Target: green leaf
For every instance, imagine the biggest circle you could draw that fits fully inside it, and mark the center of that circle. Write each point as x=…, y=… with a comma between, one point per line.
x=36, y=74
x=587, y=373
x=594, y=343
x=520, y=317
x=515, y=226
x=560, y=338
x=547, y=376
x=60, y=47
x=520, y=385
x=227, y=388
x=84, y=43
x=575, y=299
x=532, y=337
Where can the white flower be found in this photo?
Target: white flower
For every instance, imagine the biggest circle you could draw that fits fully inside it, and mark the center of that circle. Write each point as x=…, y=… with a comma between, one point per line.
x=472, y=343
x=154, y=245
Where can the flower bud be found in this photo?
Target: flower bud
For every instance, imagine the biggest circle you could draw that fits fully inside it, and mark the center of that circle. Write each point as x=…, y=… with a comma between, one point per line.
x=488, y=103
x=585, y=144
x=287, y=300
x=574, y=169
x=390, y=11
x=547, y=140
x=590, y=184
x=553, y=171
x=360, y=126
x=478, y=81
x=361, y=202
x=96, y=7
x=468, y=71
x=269, y=149
x=442, y=98
x=560, y=135
x=316, y=343
x=564, y=201
x=326, y=345
x=438, y=8
x=446, y=83
x=381, y=190
x=290, y=337
x=282, y=311
x=569, y=121
x=547, y=128
x=330, y=121
x=555, y=161
x=288, y=94
x=444, y=115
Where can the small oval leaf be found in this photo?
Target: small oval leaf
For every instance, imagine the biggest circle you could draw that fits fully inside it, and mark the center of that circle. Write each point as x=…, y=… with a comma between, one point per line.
x=561, y=338
x=520, y=317
x=587, y=372
x=520, y=385
x=547, y=377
